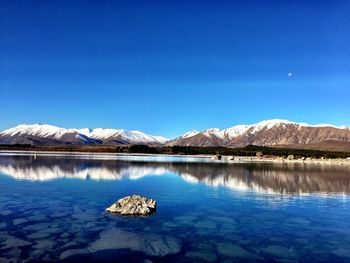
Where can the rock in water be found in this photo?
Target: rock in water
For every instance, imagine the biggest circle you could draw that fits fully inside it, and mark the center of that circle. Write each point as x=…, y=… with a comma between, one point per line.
x=133, y=205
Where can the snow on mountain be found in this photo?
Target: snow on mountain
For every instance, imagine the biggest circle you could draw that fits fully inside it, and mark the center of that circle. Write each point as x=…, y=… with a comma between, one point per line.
x=190, y=134
x=49, y=134
x=43, y=130
x=264, y=133
x=130, y=136
x=238, y=130
x=267, y=132
x=85, y=131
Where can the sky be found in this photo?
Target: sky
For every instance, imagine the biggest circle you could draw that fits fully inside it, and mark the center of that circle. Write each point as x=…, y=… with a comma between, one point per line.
x=167, y=67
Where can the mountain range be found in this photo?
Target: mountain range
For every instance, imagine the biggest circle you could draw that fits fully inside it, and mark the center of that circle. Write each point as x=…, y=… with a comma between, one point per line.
x=44, y=134
x=276, y=132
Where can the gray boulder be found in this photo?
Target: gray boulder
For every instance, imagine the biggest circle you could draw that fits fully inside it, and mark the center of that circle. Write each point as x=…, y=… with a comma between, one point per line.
x=133, y=205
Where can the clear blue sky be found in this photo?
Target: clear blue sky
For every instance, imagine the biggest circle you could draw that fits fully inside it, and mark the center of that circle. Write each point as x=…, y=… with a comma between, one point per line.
x=166, y=67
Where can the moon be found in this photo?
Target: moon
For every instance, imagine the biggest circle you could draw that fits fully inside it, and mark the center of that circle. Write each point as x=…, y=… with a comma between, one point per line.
x=290, y=74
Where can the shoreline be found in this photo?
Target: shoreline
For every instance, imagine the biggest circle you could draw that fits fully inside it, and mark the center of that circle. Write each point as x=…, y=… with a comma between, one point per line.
x=77, y=153
x=279, y=160
x=209, y=158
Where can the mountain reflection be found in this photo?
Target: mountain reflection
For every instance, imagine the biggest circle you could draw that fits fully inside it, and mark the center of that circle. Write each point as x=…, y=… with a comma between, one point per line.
x=259, y=177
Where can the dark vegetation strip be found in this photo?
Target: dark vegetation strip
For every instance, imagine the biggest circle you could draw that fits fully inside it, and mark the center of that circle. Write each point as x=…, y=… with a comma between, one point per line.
x=250, y=150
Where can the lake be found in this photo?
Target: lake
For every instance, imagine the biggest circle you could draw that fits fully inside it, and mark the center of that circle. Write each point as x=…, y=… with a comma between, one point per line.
x=52, y=208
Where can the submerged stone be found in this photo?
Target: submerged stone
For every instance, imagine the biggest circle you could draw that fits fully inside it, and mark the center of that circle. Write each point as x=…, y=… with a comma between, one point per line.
x=59, y=214
x=205, y=256
x=14, y=253
x=4, y=260
x=5, y=212
x=277, y=251
x=299, y=220
x=73, y=252
x=36, y=254
x=38, y=235
x=341, y=252
x=37, y=227
x=71, y=244
x=206, y=224
x=44, y=244
x=38, y=218
x=19, y=221
x=205, y=246
x=12, y=242
x=223, y=219
x=149, y=243
x=46, y=258
x=234, y=251
x=302, y=240
x=3, y=225
x=133, y=205
x=185, y=219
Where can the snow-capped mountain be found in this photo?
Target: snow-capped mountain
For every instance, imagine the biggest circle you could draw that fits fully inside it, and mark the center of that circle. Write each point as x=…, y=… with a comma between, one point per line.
x=266, y=133
x=108, y=136
x=274, y=132
x=43, y=134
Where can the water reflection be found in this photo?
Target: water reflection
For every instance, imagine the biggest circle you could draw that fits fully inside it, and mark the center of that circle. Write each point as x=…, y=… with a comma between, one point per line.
x=262, y=178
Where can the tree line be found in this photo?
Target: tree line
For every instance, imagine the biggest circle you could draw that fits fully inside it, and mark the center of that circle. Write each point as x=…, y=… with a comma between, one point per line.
x=250, y=150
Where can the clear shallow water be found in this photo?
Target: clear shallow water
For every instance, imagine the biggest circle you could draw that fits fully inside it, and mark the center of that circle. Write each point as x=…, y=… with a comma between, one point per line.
x=52, y=208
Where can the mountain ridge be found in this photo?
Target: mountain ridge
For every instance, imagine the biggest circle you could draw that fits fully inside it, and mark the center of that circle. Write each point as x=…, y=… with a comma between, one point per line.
x=265, y=133
x=48, y=134
x=274, y=132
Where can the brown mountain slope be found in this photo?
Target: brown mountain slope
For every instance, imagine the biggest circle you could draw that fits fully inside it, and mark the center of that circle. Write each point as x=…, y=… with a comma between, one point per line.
x=272, y=133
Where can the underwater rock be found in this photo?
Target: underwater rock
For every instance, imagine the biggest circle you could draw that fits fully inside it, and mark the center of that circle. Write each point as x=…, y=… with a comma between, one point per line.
x=59, y=214
x=19, y=221
x=73, y=252
x=4, y=260
x=205, y=224
x=205, y=246
x=341, y=252
x=185, y=219
x=44, y=244
x=149, y=243
x=133, y=205
x=34, y=255
x=298, y=220
x=14, y=253
x=5, y=212
x=83, y=214
x=38, y=235
x=72, y=243
x=278, y=251
x=37, y=227
x=234, y=251
x=203, y=256
x=38, y=218
x=12, y=242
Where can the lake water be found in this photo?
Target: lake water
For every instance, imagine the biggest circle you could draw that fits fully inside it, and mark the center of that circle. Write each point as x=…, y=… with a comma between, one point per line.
x=53, y=209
